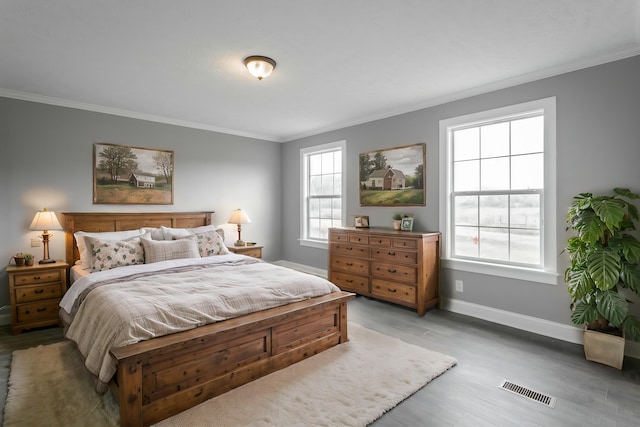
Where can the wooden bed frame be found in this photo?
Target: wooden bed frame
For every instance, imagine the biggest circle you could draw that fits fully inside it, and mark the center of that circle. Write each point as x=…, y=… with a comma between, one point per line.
x=164, y=376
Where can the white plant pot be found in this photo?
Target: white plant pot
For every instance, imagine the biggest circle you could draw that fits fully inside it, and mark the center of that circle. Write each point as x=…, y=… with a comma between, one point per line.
x=604, y=348
x=397, y=224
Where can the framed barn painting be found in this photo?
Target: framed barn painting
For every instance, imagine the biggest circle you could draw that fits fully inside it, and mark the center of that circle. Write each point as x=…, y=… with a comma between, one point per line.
x=393, y=176
x=132, y=175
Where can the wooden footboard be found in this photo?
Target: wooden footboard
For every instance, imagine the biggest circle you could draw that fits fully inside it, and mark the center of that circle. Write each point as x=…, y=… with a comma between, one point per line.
x=165, y=376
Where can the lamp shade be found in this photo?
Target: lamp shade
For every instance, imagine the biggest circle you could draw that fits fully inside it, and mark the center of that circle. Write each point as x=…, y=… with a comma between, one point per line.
x=239, y=217
x=45, y=220
x=259, y=66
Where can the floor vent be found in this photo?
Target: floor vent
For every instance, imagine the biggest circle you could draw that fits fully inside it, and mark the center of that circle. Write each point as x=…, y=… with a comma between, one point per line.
x=529, y=394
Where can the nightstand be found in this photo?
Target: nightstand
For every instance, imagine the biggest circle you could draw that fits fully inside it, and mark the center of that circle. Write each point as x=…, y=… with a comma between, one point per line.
x=35, y=293
x=254, y=251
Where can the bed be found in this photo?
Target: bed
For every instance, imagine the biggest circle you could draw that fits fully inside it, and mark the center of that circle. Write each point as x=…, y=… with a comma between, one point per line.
x=162, y=376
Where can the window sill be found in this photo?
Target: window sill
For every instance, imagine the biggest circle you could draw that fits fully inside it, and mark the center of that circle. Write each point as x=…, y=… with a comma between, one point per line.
x=314, y=243
x=518, y=273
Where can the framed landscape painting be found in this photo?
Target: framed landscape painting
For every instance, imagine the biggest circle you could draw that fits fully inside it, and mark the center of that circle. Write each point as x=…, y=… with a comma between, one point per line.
x=132, y=175
x=393, y=176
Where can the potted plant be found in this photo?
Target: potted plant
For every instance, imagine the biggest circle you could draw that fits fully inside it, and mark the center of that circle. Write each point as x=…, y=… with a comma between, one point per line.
x=604, y=271
x=28, y=259
x=397, y=221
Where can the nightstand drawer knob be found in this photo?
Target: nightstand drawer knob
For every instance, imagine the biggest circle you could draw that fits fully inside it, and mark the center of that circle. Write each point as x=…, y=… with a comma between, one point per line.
x=41, y=309
x=38, y=291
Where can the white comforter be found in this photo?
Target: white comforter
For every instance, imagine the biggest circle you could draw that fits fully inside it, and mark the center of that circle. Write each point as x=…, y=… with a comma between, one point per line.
x=126, y=305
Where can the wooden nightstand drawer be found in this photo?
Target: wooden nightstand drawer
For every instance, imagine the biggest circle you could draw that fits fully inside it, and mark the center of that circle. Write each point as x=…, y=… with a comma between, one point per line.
x=252, y=251
x=38, y=293
x=35, y=293
x=37, y=277
x=38, y=311
x=359, y=238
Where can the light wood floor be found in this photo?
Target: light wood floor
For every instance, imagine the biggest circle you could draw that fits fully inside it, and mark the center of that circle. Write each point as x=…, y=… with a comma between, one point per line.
x=588, y=394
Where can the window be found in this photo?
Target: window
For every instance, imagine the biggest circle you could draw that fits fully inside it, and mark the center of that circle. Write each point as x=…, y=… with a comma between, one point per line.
x=499, y=196
x=323, y=192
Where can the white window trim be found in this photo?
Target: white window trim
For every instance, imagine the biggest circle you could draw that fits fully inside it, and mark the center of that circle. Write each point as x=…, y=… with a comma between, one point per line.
x=550, y=274
x=321, y=244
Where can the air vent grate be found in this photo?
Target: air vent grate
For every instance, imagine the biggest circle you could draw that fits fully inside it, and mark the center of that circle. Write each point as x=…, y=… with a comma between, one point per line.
x=541, y=398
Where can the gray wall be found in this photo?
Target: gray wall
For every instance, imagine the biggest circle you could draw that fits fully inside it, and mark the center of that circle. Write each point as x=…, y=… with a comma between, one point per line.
x=598, y=148
x=46, y=161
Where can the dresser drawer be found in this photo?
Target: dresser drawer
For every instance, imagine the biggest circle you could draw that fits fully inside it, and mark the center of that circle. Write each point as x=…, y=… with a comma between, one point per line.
x=350, y=265
x=338, y=237
x=380, y=241
x=393, y=291
x=402, y=273
x=350, y=282
x=38, y=311
x=362, y=239
x=391, y=254
x=405, y=243
x=350, y=250
x=38, y=293
x=33, y=278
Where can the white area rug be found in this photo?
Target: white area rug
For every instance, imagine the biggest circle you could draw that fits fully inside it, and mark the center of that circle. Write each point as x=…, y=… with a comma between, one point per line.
x=352, y=384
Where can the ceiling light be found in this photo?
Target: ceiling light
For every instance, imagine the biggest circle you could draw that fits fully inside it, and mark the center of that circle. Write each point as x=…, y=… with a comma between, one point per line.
x=259, y=66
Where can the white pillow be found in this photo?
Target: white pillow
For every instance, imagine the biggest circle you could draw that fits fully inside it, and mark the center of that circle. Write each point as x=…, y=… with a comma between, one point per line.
x=107, y=254
x=170, y=233
x=156, y=233
x=85, y=254
x=162, y=250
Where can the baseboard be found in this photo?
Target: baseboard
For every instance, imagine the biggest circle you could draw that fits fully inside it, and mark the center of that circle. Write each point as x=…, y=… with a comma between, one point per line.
x=5, y=319
x=532, y=324
x=302, y=267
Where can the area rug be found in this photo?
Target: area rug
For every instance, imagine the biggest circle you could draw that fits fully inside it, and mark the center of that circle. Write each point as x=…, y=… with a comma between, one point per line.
x=352, y=384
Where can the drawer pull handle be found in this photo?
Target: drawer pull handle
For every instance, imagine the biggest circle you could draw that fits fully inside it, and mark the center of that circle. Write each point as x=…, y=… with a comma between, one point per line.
x=40, y=310
x=391, y=253
x=349, y=281
x=36, y=277
x=38, y=291
x=391, y=270
x=392, y=290
x=349, y=264
x=349, y=249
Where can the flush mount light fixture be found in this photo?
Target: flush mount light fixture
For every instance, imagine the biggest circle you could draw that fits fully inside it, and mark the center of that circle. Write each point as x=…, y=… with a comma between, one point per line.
x=259, y=66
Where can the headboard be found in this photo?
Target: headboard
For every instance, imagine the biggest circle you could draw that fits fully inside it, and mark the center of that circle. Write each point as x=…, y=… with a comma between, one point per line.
x=114, y=221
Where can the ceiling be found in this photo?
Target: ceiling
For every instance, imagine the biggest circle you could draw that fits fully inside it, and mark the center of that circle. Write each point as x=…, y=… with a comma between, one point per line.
x=339, y=62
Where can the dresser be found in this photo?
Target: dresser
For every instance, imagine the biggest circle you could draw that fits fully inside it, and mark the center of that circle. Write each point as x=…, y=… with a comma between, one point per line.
x=35, y=293
x=401, y=267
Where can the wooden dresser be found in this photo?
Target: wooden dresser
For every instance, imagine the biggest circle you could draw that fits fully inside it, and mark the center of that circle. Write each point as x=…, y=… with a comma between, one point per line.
x=402, y=267
x=35, y=293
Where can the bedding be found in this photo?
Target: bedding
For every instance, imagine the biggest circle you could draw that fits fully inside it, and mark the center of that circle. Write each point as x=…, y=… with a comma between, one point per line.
x=163, y=250
x=83, y=249
x=125, y=305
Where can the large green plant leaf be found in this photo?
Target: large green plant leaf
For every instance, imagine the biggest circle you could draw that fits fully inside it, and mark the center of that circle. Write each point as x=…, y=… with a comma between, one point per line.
x=589, y=226
x=631, y=277
x=604, y=268
x=613, y=307
x=610, y=211
x=584, y=313
x=579, y=284
x=632, y=328
x=630, y=248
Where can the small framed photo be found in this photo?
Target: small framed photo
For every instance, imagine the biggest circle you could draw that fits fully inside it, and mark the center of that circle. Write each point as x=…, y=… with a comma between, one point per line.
x=361, y=221
x=407, y=224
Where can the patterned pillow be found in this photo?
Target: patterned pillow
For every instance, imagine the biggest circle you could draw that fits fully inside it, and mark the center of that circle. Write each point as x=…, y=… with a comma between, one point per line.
x=209, y=243
x=108, y=254
x=163, y=250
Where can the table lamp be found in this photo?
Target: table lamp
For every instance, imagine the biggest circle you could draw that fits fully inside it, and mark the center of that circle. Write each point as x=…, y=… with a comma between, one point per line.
x=239, y=217
x=44, y=221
